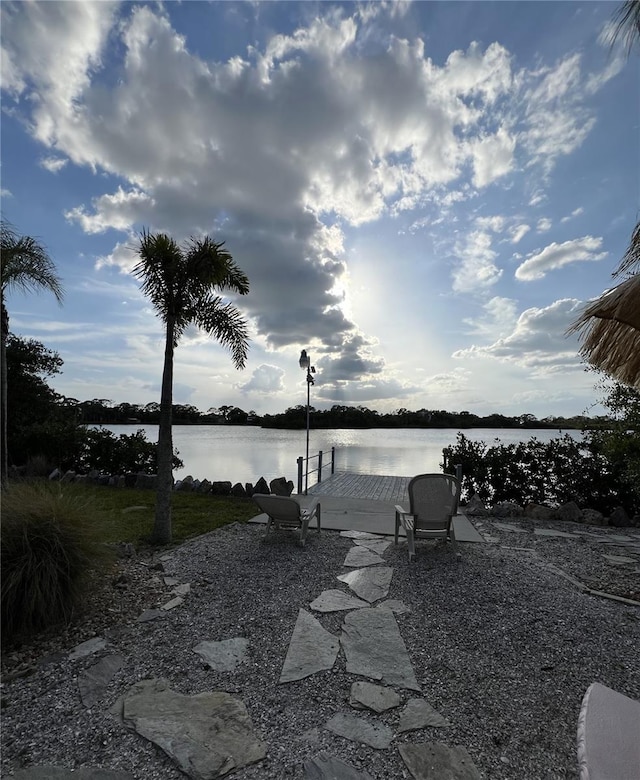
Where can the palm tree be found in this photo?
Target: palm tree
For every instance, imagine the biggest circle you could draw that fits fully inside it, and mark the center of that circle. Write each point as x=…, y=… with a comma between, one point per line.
x=24, y=266
x=181, y=283
x=627, y=24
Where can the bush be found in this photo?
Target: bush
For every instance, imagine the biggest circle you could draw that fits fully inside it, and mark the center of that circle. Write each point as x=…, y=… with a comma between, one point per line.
x=553, y=472
x=48, y=548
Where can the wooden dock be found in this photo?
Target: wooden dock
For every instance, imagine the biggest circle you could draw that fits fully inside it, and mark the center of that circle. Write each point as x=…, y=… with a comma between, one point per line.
x=374, y=487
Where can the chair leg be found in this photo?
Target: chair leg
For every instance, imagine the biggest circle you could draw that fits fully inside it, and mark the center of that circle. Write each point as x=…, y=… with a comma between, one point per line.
x=269, y=522
x=303, y=531
x=395, y=538
x=407, y=522
x=318, y=510
x=454, y=543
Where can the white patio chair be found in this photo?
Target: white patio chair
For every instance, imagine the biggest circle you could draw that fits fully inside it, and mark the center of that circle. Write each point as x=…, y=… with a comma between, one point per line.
x=286, y=513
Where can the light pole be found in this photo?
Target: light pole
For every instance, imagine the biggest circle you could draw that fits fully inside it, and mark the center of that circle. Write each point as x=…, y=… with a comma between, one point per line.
x=305, y=363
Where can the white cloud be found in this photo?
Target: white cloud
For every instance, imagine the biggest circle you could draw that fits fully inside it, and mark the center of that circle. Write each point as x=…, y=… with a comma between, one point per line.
x=492, y=157
x=553, y=256
x=574, y=213
x=53, y=164
x=518, y=232
x=498, y=317
x=266, y=379
x=477, y=270
x=544, y=224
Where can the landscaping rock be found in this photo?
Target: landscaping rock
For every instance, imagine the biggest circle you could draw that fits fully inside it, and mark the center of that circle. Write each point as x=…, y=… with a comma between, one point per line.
x=280, y=486
x=261, y=486
x=312, y=649
x=204, y=486
x=568, y=513
x=418, y=714
x=249, y=489
x=475, y=506
x=94, y=680
x=146, y=481
x=223, y=656
x=185, y=485
x=592, y=517
x=619, y=518
x=433, y=760
x=51, y=772
x=221, y=488
x=68, y=476
x=379, y=698
x=376, y=735
x=324, y=767
x=538, y=512
x=506, y=509
x=238, y=490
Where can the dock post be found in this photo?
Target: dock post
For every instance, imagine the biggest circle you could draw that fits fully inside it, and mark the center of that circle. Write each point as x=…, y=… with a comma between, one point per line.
x=459, y=471
x=320, y=466
x=299, y=462
x=333, y=460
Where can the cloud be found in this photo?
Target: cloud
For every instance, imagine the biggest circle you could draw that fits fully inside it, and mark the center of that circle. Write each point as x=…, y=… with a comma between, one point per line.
x=493, y=157
x=498, y=317
x=265, y=379
x=53, y=164
x=544, y=224
x=518, y=232
x=553, y=256
x=537, y=342
x=574, y=213
x=477, y=270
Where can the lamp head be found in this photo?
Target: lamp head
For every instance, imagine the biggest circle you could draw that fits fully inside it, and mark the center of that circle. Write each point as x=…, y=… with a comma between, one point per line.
x=305, y=360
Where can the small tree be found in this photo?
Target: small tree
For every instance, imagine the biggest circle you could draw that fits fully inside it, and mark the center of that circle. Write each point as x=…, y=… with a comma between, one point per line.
x=181, y=283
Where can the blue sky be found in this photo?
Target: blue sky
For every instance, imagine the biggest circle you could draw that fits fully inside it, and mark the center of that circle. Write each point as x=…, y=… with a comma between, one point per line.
x=423, y=195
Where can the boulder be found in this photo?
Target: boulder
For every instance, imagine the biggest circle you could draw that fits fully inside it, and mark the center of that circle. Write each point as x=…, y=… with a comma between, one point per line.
x=568, y=513
x=146, y=481
x=238, y=491
x=249, y=489
x=221, y=488
x=280, y=487
x=119, y=481
x=68, y=476
x=81, y=479
x=619, y=518
x=261, y=486
x=93, y=476
x=185, y=485
x=538, y=512
x=204, y=486
x=475, y=506
x=506, y=509
x=592, y=517
x=55, y=474
x=130, y=479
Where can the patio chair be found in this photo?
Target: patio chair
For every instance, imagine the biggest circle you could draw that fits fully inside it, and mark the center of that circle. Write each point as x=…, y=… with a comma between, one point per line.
x=285, y=512
x=433, y=501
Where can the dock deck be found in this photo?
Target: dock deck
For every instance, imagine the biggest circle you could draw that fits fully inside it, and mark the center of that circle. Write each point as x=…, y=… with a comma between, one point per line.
x=373, y=487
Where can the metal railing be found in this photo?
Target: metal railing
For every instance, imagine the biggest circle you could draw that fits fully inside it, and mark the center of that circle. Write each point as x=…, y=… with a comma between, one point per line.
x=304, y=472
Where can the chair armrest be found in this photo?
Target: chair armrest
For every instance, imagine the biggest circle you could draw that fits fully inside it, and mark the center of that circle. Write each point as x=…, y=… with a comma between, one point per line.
x=400, y=510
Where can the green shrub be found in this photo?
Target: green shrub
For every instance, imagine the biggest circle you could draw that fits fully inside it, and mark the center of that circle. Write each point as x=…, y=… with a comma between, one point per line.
x=48, y=548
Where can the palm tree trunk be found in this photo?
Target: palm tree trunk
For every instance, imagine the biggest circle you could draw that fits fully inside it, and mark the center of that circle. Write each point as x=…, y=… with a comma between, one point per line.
x=162, y=526
x=4, y=454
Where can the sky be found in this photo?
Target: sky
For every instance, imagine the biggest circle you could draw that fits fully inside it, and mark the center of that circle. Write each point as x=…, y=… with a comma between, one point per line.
x=423, y=195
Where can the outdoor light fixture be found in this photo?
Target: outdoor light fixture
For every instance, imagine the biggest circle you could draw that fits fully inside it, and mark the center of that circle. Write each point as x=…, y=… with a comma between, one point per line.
x=305, y=364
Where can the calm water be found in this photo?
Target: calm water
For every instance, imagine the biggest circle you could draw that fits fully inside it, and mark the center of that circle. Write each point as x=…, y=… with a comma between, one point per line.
x=245, y=453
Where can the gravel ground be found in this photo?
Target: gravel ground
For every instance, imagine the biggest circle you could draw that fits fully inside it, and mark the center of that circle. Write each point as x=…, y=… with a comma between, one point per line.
x=501, y=646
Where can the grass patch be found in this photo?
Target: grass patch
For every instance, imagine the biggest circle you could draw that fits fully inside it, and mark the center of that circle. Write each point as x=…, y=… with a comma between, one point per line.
x=127, y=514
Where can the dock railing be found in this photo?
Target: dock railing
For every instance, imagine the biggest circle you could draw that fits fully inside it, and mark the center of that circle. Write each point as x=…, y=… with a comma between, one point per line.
x=304, y=470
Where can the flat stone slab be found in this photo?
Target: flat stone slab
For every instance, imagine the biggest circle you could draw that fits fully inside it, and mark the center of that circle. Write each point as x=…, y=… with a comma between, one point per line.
x=173, y=603
x=324, y=767
x=151, y=614
x=181, y=590
x=370, y=584
x=553, y=532
x=376, y=735
x=312, y=649
x=207, y=735
x=509, y=527
x=336, y=601
x=395, y=605
x=361, y=556
x=374, y=648
x=379, y=698
x=419, y=714
x=619, y=560
x=377, y=545
x=87, y=648
x=171, y=581
x=52, y=772
x=93, y=682
x=360, y=535
x=225, y=655
x=435, y=761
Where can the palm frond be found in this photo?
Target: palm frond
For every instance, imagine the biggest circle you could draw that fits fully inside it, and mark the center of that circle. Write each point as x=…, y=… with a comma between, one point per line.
x=212, y=265
x=627, y=24
x=160, y=271
x=631, y=257
x=225, y=323
x=25, y=264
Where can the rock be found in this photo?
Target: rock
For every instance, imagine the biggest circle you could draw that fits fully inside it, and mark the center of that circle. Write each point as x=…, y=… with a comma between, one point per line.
x=506, y=509
x=375, y=649
x=81, y=479
x=89, y=647
x=94, y=680
x=280, y=487
x=185, y=485
x=324, y=767
x=418, y=714
x=568, y=513
x=221, y=488
x=376, y=735
x=249, y=489
x=151, y=614
x=376, y=545
x=362, y=535
x=173, y=603
x=261, y=486
x=312, y=649
x=68, y=476
x=365, y=695
x=181, y=590
x=130, y=480
x=592, y=517
x=395, y=605
x=146, y=481
x=475, y=506
x=336, y=601
x=223, y=656
x=538, y=512
x=619, y=518
x=56, y=474
x=51, y=772
x=238, y=491
x=361, y=556
x=204, y=486
x=370, y=584
x=207, y=735
x=435, y=760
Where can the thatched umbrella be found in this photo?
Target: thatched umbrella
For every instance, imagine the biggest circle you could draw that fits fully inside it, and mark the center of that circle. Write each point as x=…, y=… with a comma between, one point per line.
x=610, y=326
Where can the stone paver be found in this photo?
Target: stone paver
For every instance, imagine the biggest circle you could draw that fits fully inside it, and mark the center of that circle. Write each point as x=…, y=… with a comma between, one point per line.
x=360, y=535
x=619, y=560
x=379, y=698
x=324, y=767
x=418, y=714
x=336, y=601
x=87, y=648
x=312, y=649
x=370, y=584
x=224, y=655
x=375, y=649
x=378, y=546
x=553, y=532
x=361, y=556
x=435, y=761
x=52, y=772
x=175, y=602
x=509, y=527
x=376, y=735
x=92, y=682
